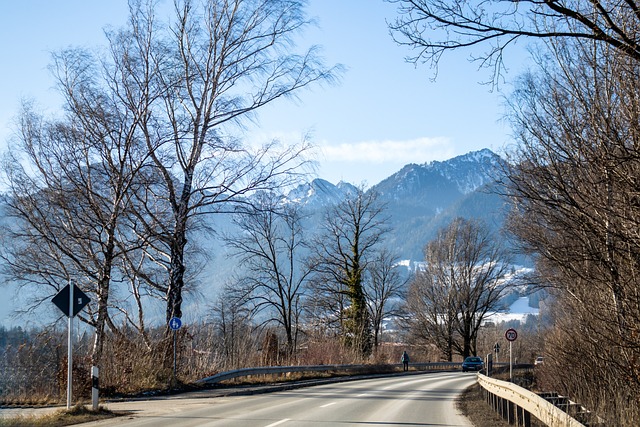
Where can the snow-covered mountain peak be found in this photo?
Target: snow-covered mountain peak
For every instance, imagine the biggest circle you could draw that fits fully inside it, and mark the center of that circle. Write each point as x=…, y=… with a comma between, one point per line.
x=469, y=171
x=318, y=192
x=461, y=175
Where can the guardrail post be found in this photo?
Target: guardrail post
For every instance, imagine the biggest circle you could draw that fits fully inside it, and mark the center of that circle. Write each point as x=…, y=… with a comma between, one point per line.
x=526, y=418
x=523, y=418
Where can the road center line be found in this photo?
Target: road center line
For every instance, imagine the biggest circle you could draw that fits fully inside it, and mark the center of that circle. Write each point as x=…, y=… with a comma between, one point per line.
x=277, y=423
x=328, y=404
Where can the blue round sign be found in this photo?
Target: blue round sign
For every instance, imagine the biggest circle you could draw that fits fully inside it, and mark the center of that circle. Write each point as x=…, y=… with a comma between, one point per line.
x=175, y=323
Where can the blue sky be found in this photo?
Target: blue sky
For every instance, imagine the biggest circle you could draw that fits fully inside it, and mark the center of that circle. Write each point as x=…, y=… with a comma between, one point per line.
x=383, y=114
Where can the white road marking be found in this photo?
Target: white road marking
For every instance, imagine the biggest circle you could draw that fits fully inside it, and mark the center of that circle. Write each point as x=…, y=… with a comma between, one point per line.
x=328, y=404
x=277, y=423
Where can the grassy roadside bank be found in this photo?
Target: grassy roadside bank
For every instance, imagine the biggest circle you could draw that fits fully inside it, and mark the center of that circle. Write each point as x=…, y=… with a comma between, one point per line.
x=473, y=406
x=77, y=415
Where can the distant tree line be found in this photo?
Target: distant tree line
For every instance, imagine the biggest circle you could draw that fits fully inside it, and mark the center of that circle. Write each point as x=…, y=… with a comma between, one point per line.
x=282, y=308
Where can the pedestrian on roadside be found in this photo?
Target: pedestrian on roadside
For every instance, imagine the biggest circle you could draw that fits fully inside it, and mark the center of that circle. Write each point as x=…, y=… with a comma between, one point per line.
x=405, y=360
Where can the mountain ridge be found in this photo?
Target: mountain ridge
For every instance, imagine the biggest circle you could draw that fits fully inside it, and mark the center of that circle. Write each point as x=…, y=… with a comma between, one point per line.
x=466, y=173
x=420, y=200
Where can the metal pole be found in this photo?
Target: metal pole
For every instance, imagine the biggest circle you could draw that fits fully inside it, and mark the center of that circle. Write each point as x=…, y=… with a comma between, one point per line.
x=70, y=348
x=174, y=356
x=510, y=362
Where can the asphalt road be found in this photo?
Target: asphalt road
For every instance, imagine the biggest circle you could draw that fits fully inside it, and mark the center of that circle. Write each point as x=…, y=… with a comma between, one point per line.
x=410, y=400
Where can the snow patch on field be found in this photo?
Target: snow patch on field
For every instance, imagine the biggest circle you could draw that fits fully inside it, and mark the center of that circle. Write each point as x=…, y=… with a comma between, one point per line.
x=519, y=310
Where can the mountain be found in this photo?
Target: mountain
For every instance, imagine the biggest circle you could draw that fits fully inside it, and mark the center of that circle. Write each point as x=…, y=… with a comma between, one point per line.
x=460, y=175
x=420, y=199
x=319, y=194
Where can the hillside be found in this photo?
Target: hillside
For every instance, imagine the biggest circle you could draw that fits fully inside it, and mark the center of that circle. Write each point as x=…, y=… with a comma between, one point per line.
x=420, y=199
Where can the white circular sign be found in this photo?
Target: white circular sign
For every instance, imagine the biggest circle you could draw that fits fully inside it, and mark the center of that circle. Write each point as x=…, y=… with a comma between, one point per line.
x=511, y=334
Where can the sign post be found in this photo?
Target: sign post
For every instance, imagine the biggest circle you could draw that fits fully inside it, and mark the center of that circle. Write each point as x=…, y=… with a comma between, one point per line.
x=70, y=350
x=70, y=300
x=511, y=335
x=95, y=387
x=175, y=323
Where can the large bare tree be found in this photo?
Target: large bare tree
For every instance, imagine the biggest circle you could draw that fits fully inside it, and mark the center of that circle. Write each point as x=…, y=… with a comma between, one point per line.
x=384, y=288
x=272, y=253
x=433, y=27
x=148, y=141
x=574, y=180
x=459, y=286
x=342, y=251
x=574, y=172
x=71, y=181
x=215, y=65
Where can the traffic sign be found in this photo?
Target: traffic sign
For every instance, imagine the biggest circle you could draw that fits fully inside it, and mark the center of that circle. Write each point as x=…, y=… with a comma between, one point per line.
x=175, y=323
x=511, y=334
x=70, y=299
x=61, y=300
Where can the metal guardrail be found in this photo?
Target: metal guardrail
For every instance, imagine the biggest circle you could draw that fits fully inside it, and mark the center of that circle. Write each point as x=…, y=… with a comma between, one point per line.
x=517, y=404
x=347, y=369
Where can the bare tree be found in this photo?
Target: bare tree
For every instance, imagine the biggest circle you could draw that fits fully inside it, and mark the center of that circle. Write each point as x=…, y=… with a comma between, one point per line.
x=461, y=283
x=384, y=290
x=343, y=250
x=574, y=183
x=271, y=250
x=71, y=181
x=433, y=27
x=235, y=332
x=218, y=63
x=432, y=314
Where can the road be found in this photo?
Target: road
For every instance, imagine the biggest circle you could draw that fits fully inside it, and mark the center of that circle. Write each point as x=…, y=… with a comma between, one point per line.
x=408, y=400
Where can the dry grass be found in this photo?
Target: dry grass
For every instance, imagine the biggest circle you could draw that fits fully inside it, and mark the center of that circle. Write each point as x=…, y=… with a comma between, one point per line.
x=76, y=415
x=472, y=404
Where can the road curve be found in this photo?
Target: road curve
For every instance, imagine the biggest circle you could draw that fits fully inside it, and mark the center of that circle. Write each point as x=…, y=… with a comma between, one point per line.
x=408, y=400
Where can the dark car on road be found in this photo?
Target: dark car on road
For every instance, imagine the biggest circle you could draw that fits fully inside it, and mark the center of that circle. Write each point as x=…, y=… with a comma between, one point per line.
x=472, y=363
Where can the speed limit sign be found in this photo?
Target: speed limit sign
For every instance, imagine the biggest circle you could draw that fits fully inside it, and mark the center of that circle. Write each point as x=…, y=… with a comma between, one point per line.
x=511, y=334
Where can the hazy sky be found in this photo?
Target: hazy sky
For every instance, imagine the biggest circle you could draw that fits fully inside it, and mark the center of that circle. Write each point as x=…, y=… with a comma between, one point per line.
x=383, y=114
